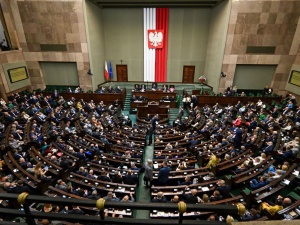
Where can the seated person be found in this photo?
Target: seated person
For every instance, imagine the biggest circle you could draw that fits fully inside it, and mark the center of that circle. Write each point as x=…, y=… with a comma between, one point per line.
x=216, y=196
x=192, y=197
x=137, y=87
x=134, y=98
x=165, y=88
x=143, y=88
x=110, y=89
x=251, y=215
x=241, y=168
x=118, y=89
x=160, y=198
x=111, y=197
x=127, y=198
x=187, y=181
x=154, y=86
x=272, y=209
x=101, y=90
x=269, y=148
x=256, y=184
x=172, y=88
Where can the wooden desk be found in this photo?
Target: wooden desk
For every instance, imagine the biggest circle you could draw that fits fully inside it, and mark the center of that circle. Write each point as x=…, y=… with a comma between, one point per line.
x=211, y=100
x=107, y=98
x=102, y=187
x=135, y=104
x=153, y=108
x=155, y=95
x=274, y=186
x=286, y=211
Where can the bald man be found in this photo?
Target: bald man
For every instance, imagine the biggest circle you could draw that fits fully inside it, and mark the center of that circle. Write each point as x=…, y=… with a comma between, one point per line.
x=175, y=199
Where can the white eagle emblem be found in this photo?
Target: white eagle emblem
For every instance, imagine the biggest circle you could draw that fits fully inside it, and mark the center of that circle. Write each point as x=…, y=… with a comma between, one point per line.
x=155, y=38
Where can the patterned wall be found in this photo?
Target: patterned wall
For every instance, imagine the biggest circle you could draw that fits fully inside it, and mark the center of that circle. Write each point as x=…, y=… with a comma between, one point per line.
x=262, y=23
x=7, y=57
x=52, y=22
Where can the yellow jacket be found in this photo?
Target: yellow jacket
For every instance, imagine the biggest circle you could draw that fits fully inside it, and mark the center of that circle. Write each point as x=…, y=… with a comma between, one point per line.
x=213, y=162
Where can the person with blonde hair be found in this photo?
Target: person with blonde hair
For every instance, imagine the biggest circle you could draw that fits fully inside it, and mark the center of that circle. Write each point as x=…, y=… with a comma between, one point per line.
x=213, y=161
x=40, y=173
x=205, y=198
x=229, y=220
x=227, y=157
x=272, y=209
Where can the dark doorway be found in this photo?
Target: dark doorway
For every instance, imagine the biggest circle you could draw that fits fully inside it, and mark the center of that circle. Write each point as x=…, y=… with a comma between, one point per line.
x=188, y=74
x=122, y=75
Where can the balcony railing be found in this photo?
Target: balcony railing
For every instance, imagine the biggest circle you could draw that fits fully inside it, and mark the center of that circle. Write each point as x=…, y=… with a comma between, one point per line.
x=25, y=200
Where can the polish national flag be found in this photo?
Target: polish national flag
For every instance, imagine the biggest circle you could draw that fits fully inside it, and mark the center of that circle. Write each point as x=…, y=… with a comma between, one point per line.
x=106, y=75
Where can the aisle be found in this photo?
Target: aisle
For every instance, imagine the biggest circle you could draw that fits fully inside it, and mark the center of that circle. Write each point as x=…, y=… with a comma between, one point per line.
x=143, y=194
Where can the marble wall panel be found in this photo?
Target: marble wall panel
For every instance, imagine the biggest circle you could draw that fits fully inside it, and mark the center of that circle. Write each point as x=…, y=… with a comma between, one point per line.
x=263, y=23
x=53, y=22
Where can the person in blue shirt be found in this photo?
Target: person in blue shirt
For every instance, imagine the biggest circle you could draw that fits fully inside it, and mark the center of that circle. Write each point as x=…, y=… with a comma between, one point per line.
x=256, y=184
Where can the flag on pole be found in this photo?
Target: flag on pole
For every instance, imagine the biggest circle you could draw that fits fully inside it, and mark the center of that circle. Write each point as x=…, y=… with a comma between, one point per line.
x=106, y=71
x=110, y=70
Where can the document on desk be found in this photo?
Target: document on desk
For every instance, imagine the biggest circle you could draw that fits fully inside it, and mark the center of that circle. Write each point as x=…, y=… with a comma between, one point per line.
x=120, y=190
x=285, y=181
x=205, y=189
x=160, y=213
x=155, y=166
x=296, y=173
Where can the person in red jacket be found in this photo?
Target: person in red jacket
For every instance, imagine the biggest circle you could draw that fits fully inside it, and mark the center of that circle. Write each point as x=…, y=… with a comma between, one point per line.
x=237, y=122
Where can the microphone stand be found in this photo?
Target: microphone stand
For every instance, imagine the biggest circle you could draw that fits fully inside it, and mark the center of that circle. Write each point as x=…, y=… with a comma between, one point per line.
x=147, y=85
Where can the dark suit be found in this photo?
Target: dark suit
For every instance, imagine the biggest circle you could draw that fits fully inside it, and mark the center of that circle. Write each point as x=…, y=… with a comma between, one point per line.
x=153, y=122
x=149, y=134
x=164, y=200
x=224, y=191
x=163, y=176
x=130, y=179
x=238, y=138
x=269, y=149
x=189, y=198
x=55, y=95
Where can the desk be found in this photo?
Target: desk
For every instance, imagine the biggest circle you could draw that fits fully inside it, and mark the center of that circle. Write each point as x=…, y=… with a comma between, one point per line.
x=107, y=98
x=119, y=212
x=155, y=95
x=211, y=100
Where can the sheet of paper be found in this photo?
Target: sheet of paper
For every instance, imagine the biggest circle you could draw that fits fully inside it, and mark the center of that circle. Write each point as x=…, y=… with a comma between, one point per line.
x=205, y=189
x=296, y=172
x=287, y=182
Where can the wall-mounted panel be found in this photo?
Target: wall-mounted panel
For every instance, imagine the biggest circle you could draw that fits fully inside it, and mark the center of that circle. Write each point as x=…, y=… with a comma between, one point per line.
x=60, y=73
x=253, y=76
x=14, y=68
